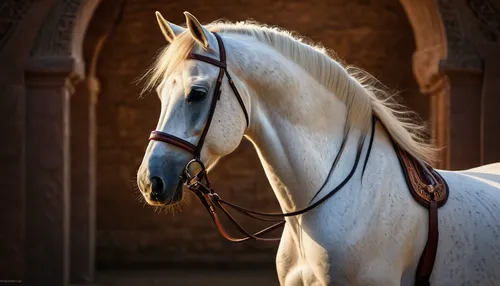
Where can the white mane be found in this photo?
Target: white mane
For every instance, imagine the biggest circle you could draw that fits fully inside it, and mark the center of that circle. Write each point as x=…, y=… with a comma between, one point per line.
x=356, y=88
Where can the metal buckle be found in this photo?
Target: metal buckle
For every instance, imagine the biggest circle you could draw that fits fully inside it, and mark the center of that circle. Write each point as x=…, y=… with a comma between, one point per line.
x=198, y=175
x=194, y=181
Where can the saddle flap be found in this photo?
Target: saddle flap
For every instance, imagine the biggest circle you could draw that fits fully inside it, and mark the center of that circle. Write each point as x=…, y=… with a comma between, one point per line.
x=421, y=187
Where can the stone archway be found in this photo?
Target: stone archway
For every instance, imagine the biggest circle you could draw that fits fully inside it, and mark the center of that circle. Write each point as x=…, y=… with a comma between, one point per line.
x=83, y=144
x=60, y=141
x=54, y=66
x=431, y=50
x=455, y=64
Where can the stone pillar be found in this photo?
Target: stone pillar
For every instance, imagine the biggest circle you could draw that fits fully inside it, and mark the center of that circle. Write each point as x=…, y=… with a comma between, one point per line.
x=472, y=66
x=439, y=121
x=56, y=59
x=463, y=68
x=430, y=40
x=457, y=63
x=48, y=88
x=19, y=22
x=12, y=181
x=490, y=106
x=83, y=146
x=463, y=110
x=83, y=180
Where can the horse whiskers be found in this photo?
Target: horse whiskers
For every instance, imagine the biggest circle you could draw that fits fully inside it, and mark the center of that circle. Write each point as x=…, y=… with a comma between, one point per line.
x=139, y=196
x=169, y=209
x=172, y=209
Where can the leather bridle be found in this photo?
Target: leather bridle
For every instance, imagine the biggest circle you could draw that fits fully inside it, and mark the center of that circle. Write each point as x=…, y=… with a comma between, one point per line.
x=200, y=184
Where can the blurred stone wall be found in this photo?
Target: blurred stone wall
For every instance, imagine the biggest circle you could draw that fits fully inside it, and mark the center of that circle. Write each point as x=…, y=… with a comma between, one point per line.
x=374, y=35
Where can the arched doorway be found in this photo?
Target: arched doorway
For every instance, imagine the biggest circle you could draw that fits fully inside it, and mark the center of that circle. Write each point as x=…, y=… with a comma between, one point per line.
x=455, y=65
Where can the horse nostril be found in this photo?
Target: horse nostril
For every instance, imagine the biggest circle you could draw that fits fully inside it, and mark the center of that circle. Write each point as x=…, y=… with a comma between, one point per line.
x=156, y=186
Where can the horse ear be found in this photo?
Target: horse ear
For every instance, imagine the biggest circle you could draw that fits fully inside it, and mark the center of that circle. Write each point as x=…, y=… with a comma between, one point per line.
x=203, y=36
x=169, y=30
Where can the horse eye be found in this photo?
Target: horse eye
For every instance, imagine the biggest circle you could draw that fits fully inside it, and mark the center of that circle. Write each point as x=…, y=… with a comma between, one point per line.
x=197, y=93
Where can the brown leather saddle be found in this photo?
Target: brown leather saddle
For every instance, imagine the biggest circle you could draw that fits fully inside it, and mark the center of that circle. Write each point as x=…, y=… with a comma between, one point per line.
x=430, y=190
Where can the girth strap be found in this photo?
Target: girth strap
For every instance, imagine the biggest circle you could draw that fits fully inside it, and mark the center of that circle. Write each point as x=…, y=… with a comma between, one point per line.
x=428, y=257
x=430, y=190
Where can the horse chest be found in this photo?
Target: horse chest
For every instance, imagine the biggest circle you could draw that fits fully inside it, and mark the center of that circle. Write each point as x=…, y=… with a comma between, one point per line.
x=304, y=259
x=299, y=262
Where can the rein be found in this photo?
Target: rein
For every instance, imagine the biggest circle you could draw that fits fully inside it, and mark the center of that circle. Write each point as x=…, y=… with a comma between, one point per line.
x=211, y=200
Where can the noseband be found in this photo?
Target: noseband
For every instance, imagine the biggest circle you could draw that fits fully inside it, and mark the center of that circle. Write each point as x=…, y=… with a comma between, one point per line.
x=200, y=184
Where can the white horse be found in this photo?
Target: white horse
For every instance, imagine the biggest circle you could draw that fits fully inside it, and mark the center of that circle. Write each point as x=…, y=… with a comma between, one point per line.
x=372, y=232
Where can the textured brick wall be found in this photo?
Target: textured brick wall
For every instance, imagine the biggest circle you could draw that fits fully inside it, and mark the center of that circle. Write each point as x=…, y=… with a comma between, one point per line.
x=374, y=35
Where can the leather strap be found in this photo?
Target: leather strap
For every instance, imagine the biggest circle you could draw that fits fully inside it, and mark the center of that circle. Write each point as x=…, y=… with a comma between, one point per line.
x=206, y=59
x=174, y=140
x=222, y=64
x=426, y=262
x=430, y=190
x=210, y=201
x=211, y=112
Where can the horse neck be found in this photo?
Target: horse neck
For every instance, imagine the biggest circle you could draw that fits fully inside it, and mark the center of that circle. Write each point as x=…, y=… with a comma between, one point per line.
x=297, y=129
x=297, y=159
